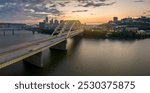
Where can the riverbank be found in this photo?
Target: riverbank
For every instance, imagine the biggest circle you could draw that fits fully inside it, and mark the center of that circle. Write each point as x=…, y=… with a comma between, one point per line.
x=114, y=35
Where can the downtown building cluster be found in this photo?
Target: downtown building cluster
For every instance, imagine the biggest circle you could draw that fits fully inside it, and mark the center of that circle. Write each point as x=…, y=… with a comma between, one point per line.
x=49, y=25
x=140, y=24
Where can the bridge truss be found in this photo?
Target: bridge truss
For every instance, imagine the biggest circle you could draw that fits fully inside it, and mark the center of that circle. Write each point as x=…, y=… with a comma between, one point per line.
x=67, y=26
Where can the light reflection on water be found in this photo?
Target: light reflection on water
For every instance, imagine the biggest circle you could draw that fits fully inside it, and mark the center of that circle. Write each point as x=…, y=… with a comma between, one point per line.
x=91, y=57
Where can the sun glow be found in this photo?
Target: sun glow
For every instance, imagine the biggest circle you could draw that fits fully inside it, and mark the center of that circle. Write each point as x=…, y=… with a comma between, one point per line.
x=73, y=10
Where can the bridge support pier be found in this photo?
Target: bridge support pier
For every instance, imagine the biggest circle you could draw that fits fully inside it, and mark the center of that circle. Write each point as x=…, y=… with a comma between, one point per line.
x=60, y=46
x=36, y=59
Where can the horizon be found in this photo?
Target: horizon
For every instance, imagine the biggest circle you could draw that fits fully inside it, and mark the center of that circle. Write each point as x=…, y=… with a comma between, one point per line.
x=90, y=23
x=87, y=11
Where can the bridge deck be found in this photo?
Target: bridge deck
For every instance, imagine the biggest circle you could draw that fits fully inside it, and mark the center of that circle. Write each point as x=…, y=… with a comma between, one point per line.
x=19, y=52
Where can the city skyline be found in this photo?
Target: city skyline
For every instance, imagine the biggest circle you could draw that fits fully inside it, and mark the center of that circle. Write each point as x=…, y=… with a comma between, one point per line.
x=87, y=11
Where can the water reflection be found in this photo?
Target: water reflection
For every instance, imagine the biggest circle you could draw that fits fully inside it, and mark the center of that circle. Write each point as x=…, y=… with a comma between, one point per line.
x=18, y=37
x=96, y=57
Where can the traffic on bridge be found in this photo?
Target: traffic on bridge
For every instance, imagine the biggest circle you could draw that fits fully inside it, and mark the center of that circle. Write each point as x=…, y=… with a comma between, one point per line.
x=16, y=53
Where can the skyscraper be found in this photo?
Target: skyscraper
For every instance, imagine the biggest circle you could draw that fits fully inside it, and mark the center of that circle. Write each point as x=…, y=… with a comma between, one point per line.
x=56, y=22
x=115, y=19
x=46, y=19
x=51, y=22
x=61, y=21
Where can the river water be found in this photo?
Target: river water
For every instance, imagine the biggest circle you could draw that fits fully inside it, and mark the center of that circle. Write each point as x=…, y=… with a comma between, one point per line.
x=84, y=57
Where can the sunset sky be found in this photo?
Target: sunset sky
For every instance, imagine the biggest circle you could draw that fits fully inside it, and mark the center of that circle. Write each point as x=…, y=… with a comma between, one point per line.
x=87, y=11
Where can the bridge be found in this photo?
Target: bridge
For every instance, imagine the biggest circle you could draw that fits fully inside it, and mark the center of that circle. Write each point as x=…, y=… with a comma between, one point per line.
x=32, y=52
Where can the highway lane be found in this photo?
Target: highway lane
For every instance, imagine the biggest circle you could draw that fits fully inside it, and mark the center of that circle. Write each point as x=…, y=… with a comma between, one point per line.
x=22, y=45
x=25, y=44
x=15, y=54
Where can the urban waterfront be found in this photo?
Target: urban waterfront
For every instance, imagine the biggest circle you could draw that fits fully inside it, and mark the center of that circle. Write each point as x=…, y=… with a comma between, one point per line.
x=85, y=57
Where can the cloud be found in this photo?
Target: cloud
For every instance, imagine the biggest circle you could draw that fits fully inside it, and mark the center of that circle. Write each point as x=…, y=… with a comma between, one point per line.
x=138, y=1
x=12, y=10
x=95, y=3
x=1, y=6
x=92, y=0
x=63, y=4
x=80, y=11
x=146, y=13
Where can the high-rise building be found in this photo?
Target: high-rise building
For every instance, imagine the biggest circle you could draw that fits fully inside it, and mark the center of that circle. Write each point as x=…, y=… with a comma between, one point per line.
x=61, y=21
x=56, y=22
x=115, y=19
x=41, y=25
x=51, y=22
x=127, y=20
x=46, y=19
x=44, y=24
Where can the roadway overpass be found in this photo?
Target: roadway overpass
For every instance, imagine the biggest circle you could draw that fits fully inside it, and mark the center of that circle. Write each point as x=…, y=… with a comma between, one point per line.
x=32, y=51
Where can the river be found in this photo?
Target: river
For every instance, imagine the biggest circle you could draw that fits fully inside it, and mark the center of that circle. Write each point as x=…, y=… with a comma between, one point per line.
x=84, y=57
